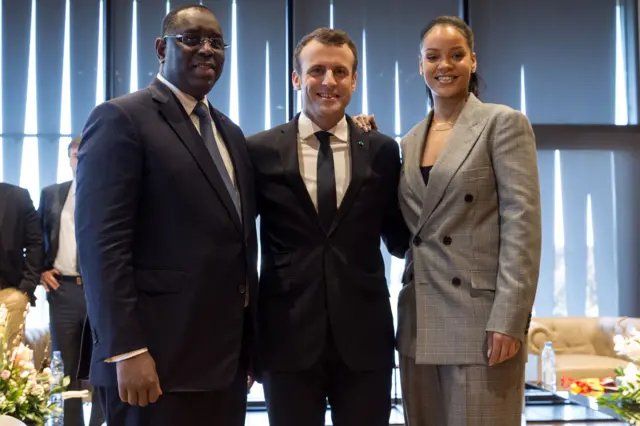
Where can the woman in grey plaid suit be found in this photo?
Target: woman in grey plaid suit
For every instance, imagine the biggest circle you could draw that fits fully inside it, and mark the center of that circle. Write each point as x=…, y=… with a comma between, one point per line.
x=469, y=193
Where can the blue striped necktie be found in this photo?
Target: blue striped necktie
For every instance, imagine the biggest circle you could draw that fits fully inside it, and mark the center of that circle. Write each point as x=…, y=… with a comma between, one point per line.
x=206, y=131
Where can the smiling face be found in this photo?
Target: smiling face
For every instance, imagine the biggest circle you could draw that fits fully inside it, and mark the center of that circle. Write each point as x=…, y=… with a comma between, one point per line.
x=446, y=62
x=327, y=81
x=192, y=68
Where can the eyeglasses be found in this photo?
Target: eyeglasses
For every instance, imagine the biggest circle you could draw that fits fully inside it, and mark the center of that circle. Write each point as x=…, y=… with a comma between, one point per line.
x=193, y=40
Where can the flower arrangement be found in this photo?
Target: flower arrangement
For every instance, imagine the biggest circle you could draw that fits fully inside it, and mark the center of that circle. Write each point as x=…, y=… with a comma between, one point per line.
x=25, y=391
x=625, y=400
x=622, y=393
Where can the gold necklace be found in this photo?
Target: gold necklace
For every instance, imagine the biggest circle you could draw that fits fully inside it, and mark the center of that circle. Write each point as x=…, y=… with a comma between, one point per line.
x=451, y=123
x=438, y=123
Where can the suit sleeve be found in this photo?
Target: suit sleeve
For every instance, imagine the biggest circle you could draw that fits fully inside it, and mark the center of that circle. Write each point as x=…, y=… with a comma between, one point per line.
x=515, y=164
x=110, y=162
x=42, y=208
x=394, y=230
x=34, y=252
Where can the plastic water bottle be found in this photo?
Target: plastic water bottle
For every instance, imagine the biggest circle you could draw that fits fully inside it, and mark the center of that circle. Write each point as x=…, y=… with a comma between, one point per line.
x=57, y=373
x=548, y=367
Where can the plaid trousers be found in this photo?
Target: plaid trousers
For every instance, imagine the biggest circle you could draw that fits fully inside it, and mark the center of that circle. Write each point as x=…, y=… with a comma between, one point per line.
x=463, y=395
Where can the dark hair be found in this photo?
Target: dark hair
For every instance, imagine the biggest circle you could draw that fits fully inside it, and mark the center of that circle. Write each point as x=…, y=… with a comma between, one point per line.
x=465, y=30
x=75, y=143
x=170, y=20
x=329, y=37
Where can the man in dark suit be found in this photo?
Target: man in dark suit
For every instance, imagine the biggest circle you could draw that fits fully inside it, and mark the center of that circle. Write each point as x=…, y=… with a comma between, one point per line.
x=327, y=193
x=62, y=281
x=21, y=256
x=165, y=221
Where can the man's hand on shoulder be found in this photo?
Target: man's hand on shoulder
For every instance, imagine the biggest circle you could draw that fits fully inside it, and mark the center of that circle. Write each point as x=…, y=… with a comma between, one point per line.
x=138, y=382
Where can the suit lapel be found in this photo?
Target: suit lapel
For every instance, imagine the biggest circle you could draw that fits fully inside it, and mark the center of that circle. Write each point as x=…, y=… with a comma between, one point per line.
x=465, y=133
x=414, y=147
x=359, y=146
x=236, y=159
x=173, y=112
x=287, y=145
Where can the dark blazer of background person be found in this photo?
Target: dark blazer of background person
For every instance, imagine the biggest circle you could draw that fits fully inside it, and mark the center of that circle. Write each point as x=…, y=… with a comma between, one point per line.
x=21, y=253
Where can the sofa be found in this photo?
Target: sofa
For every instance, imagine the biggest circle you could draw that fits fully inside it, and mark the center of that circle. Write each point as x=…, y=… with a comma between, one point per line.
x=583, y=345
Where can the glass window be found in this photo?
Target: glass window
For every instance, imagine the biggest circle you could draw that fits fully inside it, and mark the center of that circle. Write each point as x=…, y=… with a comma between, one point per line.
x=561, y=62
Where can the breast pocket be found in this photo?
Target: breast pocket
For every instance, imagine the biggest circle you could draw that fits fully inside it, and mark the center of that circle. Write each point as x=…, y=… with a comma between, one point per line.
x=478, y=184
x=476, y=174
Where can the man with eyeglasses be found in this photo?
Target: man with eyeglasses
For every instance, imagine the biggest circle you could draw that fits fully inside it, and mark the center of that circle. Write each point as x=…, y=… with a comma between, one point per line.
x=166, y=233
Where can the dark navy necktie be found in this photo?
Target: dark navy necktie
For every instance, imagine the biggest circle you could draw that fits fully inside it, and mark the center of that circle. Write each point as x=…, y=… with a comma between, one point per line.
x=327, y=199
x=206, y=131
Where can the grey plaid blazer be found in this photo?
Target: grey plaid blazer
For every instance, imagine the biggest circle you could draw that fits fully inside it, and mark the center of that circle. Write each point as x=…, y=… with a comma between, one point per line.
x=476, y=236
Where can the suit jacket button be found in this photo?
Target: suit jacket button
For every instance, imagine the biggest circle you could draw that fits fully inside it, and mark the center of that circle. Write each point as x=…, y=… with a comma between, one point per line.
x=468, y=198
x=446, y=240
x=242, y=289
x=417, y=241
x=455, y=281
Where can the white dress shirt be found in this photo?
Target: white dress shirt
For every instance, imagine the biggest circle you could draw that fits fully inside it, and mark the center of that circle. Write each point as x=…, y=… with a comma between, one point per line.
x=189, y=103
x=66, y=261
x=308, y=156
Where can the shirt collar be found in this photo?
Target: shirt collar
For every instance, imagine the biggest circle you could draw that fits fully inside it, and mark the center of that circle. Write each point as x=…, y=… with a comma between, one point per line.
x=188, y=102
x=307, y=128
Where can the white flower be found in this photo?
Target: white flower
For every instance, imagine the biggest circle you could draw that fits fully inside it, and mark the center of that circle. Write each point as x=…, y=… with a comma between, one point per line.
x=22, y=399
x=39, y=390
x=619, y=343
x=3, y=399
x=630, y=377
x=628, y=346
x=24, y=374
x=633, y=349
x=47, y=371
